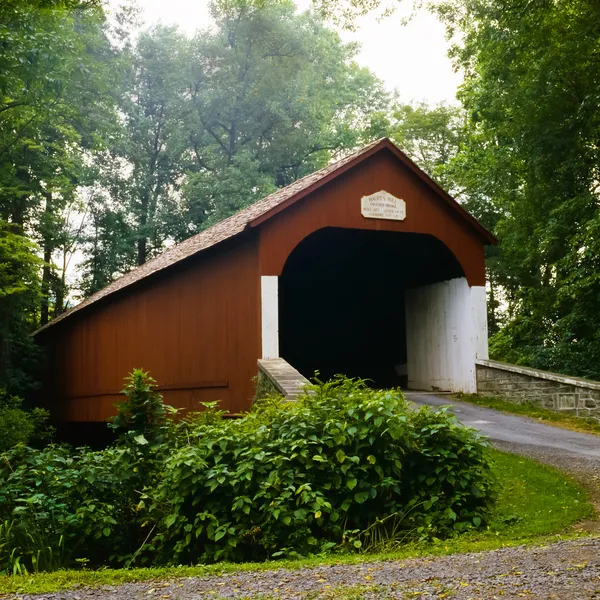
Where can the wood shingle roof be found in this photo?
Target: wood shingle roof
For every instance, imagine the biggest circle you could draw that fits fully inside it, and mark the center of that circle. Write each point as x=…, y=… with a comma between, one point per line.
x=255, y=214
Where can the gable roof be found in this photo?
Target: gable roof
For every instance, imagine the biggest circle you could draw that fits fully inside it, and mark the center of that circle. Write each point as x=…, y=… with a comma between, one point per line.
x=260, y=211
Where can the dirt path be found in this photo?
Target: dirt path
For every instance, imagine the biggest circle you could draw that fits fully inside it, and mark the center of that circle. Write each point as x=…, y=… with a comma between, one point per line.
x=563, y=570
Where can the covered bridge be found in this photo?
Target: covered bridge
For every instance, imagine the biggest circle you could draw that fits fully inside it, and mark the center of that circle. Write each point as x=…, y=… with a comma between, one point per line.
x=366, y=267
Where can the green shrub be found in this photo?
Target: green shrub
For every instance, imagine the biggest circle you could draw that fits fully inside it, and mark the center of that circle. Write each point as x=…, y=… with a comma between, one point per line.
x=143, y=428
x=142, y=418
x=20, y=426
x=60, y=505
x=298, y=478
x=345, y=466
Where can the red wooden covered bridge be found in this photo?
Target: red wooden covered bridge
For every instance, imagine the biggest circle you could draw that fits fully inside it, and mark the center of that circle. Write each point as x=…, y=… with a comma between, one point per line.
x=366, y=267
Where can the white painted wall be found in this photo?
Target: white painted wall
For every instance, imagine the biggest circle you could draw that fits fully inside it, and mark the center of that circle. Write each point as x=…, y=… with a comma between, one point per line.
x=269, y=287
x=446, y=331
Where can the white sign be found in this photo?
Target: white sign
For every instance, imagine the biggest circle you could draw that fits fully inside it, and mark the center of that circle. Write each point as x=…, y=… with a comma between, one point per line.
x=382, y=205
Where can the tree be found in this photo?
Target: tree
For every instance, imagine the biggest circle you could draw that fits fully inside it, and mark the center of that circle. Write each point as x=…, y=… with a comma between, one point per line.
x=20, y=292
x=54, y=107
x=153, y=144
x=431, y=136
x=274, y=95
x=213, y=123
x=531, y=91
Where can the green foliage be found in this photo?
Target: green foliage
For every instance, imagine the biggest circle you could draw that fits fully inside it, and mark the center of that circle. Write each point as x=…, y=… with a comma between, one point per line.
x=299, y=478
x=536, y=504
x=142, y=418
x=19, y=426
x=216, y=122
x=287, y=479
x=58, y=504
x=19, y=305
x=530, y=167
x=55, y=107
x=431, y=136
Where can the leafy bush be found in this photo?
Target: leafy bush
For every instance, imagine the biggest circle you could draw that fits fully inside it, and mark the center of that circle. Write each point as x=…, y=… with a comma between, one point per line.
x=142, y=418
x=59, y=505
x=297, y=478
x=345, y=466
x=19, y=426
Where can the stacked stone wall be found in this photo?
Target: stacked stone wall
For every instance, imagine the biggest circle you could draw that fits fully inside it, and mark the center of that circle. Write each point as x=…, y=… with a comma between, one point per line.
x=576, y=396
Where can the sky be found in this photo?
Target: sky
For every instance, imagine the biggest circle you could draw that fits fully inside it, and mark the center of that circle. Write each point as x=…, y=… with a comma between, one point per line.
x=411, y=58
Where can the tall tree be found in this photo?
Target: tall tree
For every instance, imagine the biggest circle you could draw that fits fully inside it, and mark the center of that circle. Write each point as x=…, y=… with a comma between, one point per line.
x=274, y=95
x=532, y=87
x=154, y=144
x=53, y=99
x=19, y=305
x=212, y=123
x=431, y=136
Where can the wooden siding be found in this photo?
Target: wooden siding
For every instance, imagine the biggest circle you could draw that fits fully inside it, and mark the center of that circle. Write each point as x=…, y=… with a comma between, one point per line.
x=196, y=326
x=196, y=330
x=337, y=204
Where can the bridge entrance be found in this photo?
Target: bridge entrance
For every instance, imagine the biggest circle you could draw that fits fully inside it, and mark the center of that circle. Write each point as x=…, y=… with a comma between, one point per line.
x=350, y=302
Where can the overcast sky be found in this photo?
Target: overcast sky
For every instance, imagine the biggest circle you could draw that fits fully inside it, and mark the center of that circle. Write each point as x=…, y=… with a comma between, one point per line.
x=410, y=58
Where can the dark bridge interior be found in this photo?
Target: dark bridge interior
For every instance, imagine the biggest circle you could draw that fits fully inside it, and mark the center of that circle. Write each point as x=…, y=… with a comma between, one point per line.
x=341, y=300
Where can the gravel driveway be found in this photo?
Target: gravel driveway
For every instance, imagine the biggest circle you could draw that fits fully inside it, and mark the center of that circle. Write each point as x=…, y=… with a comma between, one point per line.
x=567, y=569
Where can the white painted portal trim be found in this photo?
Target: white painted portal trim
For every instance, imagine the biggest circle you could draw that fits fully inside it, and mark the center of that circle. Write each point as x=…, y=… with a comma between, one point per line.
x=446, y=331
x=269, y=293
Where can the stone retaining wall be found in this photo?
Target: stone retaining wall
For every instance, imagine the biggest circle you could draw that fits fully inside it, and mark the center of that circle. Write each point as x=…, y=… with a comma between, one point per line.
x=579, y=397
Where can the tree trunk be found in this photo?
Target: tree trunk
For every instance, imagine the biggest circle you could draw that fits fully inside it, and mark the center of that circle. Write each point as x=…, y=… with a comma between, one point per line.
x=47, y=268
x=142, y=241
x=46, y=280
x=141, y=250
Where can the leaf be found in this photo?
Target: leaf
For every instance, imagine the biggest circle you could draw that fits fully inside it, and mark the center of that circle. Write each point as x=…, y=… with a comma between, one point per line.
x=140, y=439
x=170, y=520
x=220, y=534
x=351, y=483
x=340, y=455
x=360, y=497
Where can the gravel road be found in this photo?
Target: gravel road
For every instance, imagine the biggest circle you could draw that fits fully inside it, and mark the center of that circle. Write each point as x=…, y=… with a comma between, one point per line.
x=566, y=569
x=561, y=570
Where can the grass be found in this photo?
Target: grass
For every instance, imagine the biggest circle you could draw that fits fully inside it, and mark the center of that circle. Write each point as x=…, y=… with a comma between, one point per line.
x=528, y=409
x=536, y=504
